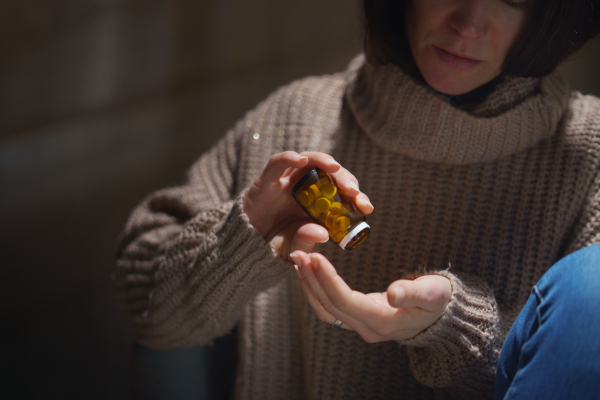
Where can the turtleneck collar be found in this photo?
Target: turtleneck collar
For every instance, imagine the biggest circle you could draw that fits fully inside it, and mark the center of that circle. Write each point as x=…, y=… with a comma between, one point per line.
x=412, y=119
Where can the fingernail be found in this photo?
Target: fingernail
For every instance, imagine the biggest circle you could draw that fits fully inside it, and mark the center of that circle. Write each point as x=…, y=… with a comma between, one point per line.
x=302, y=158
x=314, y=260
x=324, y=241
x=336, y=163
x=353, y=185
x=371, y=204
x=400, y=293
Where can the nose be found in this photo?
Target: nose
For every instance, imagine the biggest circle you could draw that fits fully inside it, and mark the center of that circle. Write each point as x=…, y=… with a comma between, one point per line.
x=471, y=18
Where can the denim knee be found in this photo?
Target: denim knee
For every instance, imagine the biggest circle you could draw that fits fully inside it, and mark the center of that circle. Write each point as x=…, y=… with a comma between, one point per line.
x=572, y=285
x=552, y=350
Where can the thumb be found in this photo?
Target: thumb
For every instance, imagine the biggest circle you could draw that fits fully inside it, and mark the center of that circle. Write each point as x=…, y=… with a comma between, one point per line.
x=429, y=292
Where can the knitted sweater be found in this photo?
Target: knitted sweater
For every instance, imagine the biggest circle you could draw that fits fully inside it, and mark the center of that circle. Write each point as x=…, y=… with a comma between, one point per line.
x=490, y=198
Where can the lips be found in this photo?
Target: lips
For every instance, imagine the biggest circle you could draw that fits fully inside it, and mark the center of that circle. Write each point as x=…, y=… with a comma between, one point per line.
x=456, y=61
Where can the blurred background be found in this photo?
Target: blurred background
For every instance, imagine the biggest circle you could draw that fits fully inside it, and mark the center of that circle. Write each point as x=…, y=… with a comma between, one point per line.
x=103, y=101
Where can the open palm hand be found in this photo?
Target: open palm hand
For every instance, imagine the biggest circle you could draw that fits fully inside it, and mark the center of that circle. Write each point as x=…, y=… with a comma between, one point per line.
x=405, y=309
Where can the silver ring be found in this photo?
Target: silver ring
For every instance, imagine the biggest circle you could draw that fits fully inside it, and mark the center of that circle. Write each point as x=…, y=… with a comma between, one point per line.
x=337, y=324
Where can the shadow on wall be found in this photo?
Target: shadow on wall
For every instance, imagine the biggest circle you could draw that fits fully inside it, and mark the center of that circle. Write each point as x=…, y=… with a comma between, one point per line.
x=102, y=102
x=581, y=70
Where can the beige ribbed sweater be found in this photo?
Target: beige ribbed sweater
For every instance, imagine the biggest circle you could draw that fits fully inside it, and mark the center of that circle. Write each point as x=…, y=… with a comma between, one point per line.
x=500, y=193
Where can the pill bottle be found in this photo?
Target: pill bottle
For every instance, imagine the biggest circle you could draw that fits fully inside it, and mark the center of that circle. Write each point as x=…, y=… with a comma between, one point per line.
x=320, y=197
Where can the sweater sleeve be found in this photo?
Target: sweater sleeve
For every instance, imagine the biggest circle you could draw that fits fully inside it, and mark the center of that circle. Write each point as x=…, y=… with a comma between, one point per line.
x=585, y=125
x=587, y=229
x=461, y=349
x=189, y=259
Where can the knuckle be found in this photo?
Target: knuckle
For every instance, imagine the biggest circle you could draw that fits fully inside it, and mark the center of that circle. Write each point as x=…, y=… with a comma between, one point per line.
x=346, y=176
x=437, y=297
x=272, y=161
x=340, y=304
x=276, y=156
x=327, y=306
x=349, y=181
x=310, y=281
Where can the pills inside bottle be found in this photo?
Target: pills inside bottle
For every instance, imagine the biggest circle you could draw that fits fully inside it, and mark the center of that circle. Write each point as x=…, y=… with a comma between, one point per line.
x=319, y=196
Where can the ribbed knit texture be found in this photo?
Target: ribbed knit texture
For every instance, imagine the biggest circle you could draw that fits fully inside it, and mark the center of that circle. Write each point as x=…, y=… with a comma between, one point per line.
x=489, y=198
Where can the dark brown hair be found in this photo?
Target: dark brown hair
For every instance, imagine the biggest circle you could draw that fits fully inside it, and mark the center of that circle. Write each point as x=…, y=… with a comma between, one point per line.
x=555, y=30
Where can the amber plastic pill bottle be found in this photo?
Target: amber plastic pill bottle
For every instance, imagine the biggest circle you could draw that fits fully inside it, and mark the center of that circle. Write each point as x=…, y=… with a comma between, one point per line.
x=318, y=195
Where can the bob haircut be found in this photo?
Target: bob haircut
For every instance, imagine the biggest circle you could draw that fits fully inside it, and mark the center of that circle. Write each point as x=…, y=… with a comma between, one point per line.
x=555, y=29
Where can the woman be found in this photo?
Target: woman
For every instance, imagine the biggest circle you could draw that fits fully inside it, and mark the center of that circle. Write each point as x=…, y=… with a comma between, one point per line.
x=483, y=170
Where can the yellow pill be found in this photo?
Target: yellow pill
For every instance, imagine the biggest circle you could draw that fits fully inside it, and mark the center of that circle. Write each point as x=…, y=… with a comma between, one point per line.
x=306, y=198
x=336, y=207
x=322, y=204
x=346, y=208
x=315, y=191
x=328, y=190
x=330, y=220
x=313, y=211
x=338, y=236
x=323, y=217
x=342, y=223
x=323, y=181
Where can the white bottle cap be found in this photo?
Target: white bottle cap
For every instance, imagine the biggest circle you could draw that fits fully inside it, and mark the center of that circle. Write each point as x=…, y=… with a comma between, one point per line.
x=353, y=233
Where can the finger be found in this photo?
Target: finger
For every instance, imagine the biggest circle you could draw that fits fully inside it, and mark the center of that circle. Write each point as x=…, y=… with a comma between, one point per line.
x=321, y=313
x=308, y=276
x=363, y=203
x=307, y=236
x=343, y=178
x=287, y=172
x=429, y=293
x=312, y=300
x=279, y=163
x=322, y=160
x=346, y=181
x=335, y=289
x=309, y=279
x=335, y=295
x=354, y=304
x=349, y=186
x=315, y=159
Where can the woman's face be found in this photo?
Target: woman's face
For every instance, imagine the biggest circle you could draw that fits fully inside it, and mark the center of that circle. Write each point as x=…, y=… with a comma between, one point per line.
x=460, y=45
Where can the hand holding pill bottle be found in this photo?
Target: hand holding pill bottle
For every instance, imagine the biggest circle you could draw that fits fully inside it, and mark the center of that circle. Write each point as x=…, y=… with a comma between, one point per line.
x=319, y=196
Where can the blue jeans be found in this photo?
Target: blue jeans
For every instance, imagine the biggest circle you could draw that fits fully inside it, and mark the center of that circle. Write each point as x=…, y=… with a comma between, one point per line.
x=553, y=349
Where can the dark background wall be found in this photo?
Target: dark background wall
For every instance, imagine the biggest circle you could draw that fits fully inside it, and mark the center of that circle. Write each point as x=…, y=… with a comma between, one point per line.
x=101, y=102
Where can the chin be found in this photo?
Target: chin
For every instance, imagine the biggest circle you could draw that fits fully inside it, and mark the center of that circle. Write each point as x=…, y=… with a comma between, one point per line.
x=452, y=82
